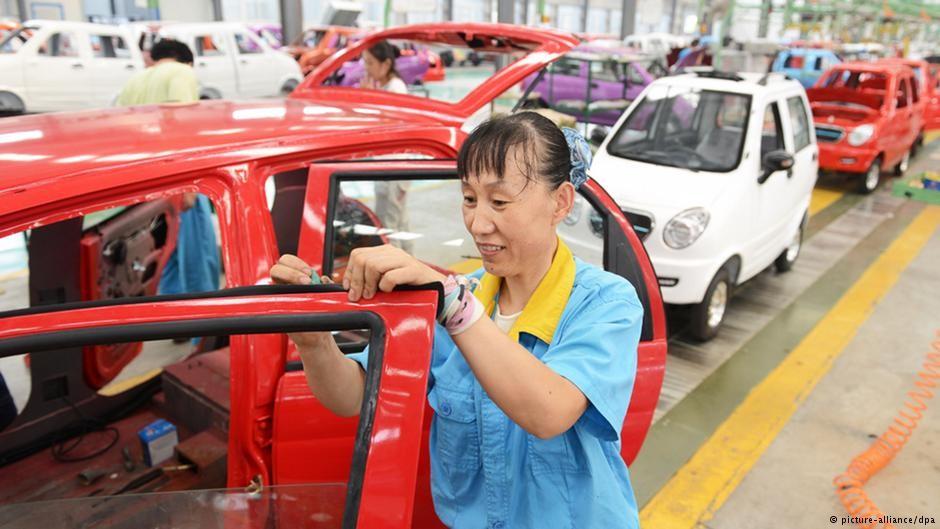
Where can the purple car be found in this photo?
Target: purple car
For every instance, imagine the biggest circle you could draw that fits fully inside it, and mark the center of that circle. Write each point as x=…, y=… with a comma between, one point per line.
x=616, y=78
x=270, y=33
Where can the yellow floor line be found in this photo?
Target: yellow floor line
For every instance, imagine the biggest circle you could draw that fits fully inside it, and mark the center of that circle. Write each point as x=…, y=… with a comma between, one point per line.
x=703, y=484
x=931, y=136
x=821, y=199
x=116, y=389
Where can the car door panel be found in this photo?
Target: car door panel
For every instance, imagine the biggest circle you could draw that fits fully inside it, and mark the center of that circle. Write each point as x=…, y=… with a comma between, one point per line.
x=112, y=64
x=256, y=75
x=124, y=257
x=774, y=195
x=384, y=461
x=215, y=63
x=56, y=72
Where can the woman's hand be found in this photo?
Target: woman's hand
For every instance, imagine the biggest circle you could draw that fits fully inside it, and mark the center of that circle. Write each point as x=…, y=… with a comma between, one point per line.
x=375, y=268
x=292, y=270
x=368, y=82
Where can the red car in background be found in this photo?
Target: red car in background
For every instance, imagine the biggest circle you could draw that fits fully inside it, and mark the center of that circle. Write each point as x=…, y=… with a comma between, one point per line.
x=100, y=216
x=315, y=44
x=927, y=88
x=868, y=117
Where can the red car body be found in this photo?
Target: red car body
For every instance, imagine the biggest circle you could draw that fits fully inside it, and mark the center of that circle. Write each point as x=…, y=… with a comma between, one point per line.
x=855, y=94
x=927, y=88
x=328, y=39
x=59, y=166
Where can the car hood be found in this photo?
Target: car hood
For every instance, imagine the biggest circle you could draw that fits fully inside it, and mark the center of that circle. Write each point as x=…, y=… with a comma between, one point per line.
x=538, y=46
x=641, y=185
x=42, y=146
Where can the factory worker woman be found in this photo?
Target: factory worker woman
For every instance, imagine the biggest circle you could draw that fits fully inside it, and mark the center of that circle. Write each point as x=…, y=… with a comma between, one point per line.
x=531, y=373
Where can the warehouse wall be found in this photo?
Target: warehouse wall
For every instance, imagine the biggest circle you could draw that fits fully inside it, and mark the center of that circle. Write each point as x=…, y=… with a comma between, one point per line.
x=55, y=9
x=186, y=10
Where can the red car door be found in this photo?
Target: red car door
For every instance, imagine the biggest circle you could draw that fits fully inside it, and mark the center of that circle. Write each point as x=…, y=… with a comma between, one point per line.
x=325, y=235
x=374, y=491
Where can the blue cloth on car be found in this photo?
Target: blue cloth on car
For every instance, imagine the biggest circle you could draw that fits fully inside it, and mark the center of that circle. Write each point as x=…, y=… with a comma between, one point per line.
x=194, y=265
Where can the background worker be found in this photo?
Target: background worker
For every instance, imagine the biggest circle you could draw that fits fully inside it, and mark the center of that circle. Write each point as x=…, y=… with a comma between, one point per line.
x=194, y=265
x=390, y=197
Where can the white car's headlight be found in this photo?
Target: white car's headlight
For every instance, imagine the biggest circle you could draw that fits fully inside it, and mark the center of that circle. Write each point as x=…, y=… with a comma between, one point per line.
x=860, y=135
x=685, y=228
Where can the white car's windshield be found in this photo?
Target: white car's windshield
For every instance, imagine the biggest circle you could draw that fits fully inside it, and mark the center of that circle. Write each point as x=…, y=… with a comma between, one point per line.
x=12, y=42
x=700, y=130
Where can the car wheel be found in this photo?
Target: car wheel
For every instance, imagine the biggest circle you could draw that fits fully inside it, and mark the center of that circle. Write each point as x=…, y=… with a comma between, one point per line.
x=210, y=93
x=918, y=143
x=708, y=315
x=11, y=104
x=904, y=164
x=869, y=181
x=787, y=258
x=288, y=87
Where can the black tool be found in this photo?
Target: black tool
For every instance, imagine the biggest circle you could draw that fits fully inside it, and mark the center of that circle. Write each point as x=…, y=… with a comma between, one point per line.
x=129, y=464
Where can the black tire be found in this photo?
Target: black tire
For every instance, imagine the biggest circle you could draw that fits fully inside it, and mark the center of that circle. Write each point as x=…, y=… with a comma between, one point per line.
x=791, y=253
x=703, y=324
x=905, y=162
x=918, y=144
x=11, y=104
x=289, y=87
x=475, y=59
x=447, y=58
x=868, y=182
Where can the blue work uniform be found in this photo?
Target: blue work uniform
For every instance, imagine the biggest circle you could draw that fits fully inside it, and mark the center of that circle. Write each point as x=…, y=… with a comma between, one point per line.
x=486, y=471
x=194, y=264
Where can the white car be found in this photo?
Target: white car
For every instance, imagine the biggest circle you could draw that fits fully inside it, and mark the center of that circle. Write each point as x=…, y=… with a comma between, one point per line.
x=232, y=62
x=54, y=65
x=655, y=43
x=716, y=172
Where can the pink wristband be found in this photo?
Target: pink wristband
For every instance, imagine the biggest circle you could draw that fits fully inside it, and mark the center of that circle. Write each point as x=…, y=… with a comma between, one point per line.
x=461, y=308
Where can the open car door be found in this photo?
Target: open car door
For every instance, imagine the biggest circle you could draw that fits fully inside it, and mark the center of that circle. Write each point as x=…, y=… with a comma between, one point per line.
x=340, y=213
x=373, y=491
x=537, y=48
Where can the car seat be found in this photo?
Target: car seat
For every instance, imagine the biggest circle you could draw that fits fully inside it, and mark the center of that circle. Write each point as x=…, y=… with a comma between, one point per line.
x=720, y=146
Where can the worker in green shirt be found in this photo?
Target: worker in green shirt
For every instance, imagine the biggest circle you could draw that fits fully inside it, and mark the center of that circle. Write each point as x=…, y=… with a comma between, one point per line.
x=194, y=266
x=170, y=80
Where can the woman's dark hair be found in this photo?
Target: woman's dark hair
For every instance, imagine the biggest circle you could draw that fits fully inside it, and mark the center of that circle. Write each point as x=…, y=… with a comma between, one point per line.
x=171, y=49
x=383, y=51
x=531, y=140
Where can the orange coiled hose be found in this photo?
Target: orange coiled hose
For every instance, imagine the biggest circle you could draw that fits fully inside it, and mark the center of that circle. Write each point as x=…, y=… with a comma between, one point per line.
x=849, y=484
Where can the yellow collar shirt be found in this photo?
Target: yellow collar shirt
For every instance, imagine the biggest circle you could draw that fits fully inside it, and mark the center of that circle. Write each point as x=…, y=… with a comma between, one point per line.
x=486, y=471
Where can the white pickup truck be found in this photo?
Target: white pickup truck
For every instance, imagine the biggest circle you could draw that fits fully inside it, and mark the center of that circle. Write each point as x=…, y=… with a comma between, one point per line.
x=48, y=66
x=54, y=65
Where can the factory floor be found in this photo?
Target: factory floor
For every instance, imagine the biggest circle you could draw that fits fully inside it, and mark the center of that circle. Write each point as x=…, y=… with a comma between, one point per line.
x=820, y=365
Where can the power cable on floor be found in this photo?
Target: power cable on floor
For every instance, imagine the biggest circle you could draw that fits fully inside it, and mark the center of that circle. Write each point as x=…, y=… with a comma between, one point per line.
x=849, y=484
x=61, y=448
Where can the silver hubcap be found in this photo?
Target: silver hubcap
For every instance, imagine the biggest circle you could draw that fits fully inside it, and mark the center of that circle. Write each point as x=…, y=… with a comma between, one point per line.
x=906, y=161
x=794, y=249
x=871, y=178
x=716, y=306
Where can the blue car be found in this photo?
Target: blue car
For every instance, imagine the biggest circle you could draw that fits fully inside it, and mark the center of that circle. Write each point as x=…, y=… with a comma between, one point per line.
x=804, y=64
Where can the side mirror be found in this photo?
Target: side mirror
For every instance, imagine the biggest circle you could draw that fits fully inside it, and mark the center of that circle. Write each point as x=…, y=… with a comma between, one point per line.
x=779, y=160
x=598, y=135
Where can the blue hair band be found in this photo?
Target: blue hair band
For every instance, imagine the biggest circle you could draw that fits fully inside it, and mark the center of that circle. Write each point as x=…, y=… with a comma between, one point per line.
x=580, y=156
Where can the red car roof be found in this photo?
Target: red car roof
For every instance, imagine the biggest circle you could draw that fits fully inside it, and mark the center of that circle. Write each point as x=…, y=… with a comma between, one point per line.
x=874, y=67
x=541, y=45
x=184, y=137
